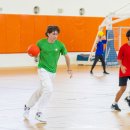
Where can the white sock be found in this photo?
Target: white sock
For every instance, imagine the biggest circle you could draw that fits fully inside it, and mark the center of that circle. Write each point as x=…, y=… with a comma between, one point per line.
x=114, y=103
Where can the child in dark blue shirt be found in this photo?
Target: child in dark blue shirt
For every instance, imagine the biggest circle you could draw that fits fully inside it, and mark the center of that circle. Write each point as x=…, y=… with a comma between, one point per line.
x=99, y=53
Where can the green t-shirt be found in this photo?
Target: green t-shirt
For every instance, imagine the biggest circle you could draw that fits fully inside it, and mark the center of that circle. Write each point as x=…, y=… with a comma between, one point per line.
x=49, y=54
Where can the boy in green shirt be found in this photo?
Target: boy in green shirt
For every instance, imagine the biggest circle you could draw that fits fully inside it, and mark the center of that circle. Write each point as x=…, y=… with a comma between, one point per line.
x=50, y=51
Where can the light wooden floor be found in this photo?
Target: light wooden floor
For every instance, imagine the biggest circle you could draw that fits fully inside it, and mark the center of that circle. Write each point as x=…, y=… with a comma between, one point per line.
x=80, y=103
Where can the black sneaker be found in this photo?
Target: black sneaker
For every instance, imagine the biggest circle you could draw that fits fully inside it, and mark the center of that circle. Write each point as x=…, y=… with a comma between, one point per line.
x=115, y=107
x=105, y=72
x=128, y=101
x=91, y=72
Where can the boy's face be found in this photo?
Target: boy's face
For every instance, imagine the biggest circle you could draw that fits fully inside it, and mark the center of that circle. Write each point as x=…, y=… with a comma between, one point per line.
x=53, y=36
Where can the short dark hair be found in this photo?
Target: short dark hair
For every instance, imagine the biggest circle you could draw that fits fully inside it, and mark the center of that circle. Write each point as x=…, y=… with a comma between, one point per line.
x=128, y=34
x=51, y=29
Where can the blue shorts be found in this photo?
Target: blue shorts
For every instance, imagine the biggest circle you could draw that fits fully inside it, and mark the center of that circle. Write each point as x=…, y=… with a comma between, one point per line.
x=123, y=81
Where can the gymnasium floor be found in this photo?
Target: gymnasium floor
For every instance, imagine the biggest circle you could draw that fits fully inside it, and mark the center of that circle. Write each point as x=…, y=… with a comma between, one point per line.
x=80, y=103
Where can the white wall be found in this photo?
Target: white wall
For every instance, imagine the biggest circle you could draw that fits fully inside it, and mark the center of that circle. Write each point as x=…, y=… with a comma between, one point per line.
x=24, y=60
x=50, y=7
x=16, y=60
x=70, y=7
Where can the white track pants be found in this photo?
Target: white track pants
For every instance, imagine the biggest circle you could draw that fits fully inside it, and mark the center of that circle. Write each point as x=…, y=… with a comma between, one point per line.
x=43, y=93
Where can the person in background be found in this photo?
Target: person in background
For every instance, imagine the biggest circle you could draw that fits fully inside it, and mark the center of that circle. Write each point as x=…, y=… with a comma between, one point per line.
x=101, y=40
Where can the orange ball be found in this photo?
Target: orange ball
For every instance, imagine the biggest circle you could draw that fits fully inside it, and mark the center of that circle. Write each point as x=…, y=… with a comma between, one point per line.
x=33, y=50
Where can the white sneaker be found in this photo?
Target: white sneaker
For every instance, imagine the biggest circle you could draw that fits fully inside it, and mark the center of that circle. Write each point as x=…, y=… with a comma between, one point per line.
x=26, y=112
x=39, y=116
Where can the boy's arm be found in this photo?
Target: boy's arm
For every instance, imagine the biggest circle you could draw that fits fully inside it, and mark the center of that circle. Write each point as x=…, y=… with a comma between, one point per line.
x=67, y=59
x=123, y=68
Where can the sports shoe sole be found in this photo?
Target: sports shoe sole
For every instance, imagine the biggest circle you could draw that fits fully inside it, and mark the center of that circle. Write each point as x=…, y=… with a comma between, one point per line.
x=115, y=110
x=45, y=122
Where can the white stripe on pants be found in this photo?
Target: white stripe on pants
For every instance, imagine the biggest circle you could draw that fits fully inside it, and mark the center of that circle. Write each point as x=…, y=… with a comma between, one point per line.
x=43, y=93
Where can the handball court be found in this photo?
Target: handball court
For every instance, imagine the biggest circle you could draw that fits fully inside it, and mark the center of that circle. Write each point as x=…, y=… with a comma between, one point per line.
x=80, y=103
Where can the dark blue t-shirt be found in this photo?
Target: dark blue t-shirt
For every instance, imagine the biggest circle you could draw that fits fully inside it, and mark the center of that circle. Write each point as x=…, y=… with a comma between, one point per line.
x=99, y=50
